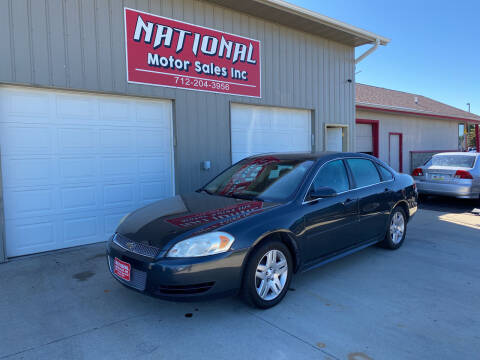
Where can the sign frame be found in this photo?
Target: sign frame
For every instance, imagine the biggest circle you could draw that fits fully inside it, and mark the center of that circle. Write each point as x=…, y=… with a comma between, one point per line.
x=192, y=77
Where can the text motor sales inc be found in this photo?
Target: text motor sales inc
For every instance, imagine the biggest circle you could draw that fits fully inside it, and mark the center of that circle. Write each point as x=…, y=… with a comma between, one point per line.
x=167, y=52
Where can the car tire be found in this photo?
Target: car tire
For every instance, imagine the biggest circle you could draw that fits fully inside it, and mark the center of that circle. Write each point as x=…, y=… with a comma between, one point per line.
x=396, y=229
x=267, y=294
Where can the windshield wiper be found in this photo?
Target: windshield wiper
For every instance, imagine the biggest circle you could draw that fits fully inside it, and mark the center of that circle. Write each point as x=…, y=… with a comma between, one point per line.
x=244, y=197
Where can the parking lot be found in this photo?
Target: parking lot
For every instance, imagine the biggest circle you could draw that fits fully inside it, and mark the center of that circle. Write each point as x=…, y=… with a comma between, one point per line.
x=420, y=302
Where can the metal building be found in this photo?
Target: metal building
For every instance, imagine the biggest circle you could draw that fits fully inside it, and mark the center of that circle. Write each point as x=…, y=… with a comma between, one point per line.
x=405, y=129
x=103, y=107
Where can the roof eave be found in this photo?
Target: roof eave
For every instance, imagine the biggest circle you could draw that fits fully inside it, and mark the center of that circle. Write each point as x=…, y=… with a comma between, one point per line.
x=294, y=16
x=409, y=111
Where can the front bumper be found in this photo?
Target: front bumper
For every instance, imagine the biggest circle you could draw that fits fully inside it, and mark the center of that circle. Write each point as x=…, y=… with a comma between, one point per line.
x=465, y=190
x=181, y=279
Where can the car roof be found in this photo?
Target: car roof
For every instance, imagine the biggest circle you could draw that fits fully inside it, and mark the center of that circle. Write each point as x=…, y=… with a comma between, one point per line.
x=458, y=153
x=314, y=156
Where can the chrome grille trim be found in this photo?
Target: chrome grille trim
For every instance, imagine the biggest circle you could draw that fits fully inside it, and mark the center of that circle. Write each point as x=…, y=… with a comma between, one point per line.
x=135, y=247
x=138, y=278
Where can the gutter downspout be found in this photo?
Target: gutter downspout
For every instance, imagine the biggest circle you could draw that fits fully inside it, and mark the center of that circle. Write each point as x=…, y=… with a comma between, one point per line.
x=368, y=52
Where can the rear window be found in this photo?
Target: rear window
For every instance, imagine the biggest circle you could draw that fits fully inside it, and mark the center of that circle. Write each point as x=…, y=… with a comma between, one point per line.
x=364, y=172
x=386, y=174
x=452, y=160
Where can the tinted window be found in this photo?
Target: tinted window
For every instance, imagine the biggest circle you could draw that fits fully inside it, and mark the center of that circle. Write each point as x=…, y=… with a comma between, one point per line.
x=386, y=174
x=266, y=178
x=452, y=160
x=364, y=172
x=334, y=175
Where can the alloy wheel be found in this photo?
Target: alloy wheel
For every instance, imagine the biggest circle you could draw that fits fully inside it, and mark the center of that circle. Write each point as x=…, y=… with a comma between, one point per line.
x=397, y=227
x=271, y=275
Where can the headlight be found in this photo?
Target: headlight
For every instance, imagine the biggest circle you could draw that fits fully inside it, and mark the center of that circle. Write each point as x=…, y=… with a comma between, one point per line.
x=202, y=245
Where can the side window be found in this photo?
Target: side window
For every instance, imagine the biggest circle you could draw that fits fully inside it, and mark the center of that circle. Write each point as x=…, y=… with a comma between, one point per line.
x=334, y=175
x=364, y=172
x=386, y=174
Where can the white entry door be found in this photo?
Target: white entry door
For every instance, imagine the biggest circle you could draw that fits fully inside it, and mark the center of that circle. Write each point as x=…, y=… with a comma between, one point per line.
x=265, y=129
x=395, y=151
x=334, y=139
x=74, y=164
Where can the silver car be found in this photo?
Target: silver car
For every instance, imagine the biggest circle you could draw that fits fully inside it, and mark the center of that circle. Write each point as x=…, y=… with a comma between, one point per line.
x=452, y=174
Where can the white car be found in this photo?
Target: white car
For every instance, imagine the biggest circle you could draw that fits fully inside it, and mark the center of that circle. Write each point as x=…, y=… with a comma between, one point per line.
x=454, y=174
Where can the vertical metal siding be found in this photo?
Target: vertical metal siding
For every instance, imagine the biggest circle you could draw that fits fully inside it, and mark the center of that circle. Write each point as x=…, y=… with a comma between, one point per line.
x=79, y=44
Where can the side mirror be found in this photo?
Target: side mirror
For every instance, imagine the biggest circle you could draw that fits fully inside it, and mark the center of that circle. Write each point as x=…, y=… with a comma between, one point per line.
x=323, y=192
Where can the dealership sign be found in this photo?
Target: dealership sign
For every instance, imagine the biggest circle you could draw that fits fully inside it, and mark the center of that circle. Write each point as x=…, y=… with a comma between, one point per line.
x=166, y=52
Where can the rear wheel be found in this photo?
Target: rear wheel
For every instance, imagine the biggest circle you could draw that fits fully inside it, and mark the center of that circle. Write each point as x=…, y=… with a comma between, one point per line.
x=267, y=275
x=397, y=229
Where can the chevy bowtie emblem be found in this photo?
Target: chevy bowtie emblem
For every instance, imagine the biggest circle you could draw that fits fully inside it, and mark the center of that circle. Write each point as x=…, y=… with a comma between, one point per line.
x=130, y=245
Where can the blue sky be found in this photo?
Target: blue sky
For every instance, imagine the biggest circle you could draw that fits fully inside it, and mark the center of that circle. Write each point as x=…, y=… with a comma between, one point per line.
x=434, y=49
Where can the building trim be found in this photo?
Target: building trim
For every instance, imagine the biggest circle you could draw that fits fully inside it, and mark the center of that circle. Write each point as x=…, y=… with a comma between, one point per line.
x=416, y=113
x=400, y=150
x=3, y=243
x=375, y=133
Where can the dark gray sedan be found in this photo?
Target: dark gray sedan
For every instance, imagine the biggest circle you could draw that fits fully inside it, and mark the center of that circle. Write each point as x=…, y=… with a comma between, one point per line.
x=259, y=222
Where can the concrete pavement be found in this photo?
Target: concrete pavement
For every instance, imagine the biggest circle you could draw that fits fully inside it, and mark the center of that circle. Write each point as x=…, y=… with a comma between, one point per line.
x=420, y=302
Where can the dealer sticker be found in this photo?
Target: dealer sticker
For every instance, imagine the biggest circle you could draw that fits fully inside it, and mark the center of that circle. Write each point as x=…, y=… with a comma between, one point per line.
x=121, y=269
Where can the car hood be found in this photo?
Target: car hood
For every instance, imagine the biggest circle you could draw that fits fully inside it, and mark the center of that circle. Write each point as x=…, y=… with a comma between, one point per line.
x=186, y=215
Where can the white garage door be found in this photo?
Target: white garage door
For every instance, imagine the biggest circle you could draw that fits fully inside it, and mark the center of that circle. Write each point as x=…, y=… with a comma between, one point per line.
x=74, y=164
x=264, y=129
x=364, y=138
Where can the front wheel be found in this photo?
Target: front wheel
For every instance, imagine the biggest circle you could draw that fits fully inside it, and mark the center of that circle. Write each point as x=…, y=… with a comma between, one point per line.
x=397, y=229
x=267, y=275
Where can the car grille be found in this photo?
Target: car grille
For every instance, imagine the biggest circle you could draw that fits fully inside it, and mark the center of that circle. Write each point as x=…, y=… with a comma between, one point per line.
x=184, y=289
x=138, y=278
x=135, y=247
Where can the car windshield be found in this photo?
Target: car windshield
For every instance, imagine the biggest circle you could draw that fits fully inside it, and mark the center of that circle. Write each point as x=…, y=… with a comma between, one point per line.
x=452, y=160
x=263, y=178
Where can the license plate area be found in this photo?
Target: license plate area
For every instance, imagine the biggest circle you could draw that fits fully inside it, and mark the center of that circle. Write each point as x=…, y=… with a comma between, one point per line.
x=439, y=177
x=122, y=269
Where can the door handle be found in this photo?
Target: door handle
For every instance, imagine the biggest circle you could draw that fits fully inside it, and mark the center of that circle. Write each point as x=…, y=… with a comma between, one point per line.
x=387, y=190
x=347, y=201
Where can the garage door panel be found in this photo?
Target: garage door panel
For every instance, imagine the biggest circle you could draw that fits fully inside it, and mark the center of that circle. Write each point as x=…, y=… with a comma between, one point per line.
x=119, y=167
x=32, y=139
x=77, y=169
x=28, y=202
x=78, y=198
x=27, y=172
x=74, y=164
x=152, y=141
x=80, y=229
x=14, y=102
x=115, y=111
x=261, y=129
x=76, y=140
x=152, y=191
x=118, y=194
x=76, y=107
x=36, y=235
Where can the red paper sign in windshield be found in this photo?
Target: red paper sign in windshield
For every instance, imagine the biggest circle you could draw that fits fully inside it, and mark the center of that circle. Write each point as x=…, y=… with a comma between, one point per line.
x=167, y=52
